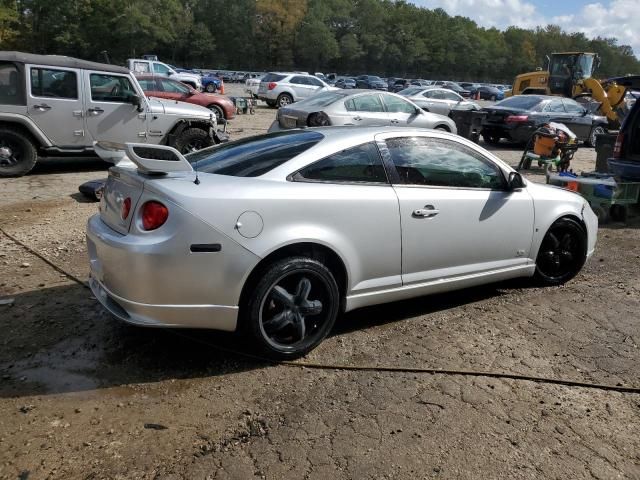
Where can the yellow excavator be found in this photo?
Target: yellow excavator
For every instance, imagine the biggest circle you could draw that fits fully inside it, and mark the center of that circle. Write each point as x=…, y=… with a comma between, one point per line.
x=570, y=74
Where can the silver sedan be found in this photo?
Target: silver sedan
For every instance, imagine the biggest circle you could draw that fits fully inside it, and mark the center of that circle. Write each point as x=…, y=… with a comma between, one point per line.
x=359, y=108
x=279, y=234
x=437, y=99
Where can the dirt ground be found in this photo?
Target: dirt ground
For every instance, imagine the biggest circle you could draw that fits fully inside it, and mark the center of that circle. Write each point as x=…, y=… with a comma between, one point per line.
x=85, y=396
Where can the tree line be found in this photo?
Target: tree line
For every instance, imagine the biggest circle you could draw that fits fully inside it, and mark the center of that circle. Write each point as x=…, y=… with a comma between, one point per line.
x=385, y=37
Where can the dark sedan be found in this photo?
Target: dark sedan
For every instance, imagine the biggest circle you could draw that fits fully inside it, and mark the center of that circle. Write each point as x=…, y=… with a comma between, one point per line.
x=371, y=82
x=516, y=118
x=488, y=93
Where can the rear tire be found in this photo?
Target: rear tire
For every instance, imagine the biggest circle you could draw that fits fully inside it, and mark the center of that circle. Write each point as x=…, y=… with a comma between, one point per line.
x=493, y=98
x=271, y=103
x=491, y=139
x=211, y=87
x=291, y=308
x=18, y=153
x=591, y=141
x=562, y=252
x=192, y=140
x=284, y=99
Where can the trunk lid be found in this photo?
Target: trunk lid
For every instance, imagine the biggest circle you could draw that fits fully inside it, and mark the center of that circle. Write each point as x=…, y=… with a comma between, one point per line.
x=122, y=183
x=499, y=114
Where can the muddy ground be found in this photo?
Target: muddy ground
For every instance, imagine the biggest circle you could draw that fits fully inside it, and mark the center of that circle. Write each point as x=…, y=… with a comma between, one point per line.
x=85, y=396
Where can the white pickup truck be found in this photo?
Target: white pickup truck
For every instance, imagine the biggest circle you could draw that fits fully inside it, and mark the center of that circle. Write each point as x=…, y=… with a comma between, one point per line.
x=141, y=66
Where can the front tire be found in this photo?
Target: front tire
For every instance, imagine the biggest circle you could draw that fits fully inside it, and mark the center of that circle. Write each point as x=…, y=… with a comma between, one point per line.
x=562, y=252
x=218, y=111
x=192, y=140
x=18, y=154
x=292, y=307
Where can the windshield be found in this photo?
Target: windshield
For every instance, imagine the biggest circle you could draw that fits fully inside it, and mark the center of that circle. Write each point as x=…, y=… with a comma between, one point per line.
x=523, y=102
x=253, y=156
x=321, y=100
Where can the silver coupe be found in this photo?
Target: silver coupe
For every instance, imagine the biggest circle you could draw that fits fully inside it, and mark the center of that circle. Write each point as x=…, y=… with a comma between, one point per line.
x=358, y=108
x=279, y=234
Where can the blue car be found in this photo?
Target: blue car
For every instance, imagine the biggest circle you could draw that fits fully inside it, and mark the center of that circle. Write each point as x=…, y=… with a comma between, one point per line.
x=488, y=93
x=211, y=83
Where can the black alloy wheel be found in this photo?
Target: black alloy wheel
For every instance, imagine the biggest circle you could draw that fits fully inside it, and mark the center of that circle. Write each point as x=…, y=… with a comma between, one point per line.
x=562, y=253
x=192, y=140
x=292, y=308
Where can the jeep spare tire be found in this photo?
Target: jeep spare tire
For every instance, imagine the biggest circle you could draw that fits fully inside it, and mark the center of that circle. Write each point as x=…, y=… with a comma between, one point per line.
x=192, y=139
x=18, y=154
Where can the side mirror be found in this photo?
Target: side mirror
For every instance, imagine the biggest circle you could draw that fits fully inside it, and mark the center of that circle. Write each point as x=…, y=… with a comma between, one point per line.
x=136, y=100
x=515, y=181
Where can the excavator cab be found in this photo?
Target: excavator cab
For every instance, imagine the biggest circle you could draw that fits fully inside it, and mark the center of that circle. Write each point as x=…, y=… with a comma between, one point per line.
x=566, y=70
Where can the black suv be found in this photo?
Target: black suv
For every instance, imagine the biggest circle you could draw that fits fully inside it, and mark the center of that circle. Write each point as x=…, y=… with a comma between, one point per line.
x=626, y=151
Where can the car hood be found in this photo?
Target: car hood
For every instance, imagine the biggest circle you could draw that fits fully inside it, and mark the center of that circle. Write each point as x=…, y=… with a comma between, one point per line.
x=181, y=109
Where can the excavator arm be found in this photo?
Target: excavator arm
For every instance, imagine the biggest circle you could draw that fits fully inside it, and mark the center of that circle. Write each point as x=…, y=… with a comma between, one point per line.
x=610, y=95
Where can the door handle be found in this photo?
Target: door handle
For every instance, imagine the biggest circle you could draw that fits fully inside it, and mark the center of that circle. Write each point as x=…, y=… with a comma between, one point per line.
x=357, y=118
x=42, y=107
x=427, y=212
x=95, y=111
x=393, y=120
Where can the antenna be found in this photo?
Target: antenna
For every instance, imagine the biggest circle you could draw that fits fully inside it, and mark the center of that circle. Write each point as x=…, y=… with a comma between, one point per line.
x=195, y=167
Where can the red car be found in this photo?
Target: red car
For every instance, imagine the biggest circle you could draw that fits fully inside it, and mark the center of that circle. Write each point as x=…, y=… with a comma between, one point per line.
x=162, y=87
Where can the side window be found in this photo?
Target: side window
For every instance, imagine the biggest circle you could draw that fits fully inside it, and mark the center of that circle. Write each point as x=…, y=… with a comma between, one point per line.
x=173, y=87
x=298, y=81
x=367, y=103
x=555, y=106
x=110, y=88
x=357, y=164
x=398, y=105
x=572, y=106
x=315, y=82
x=148, y=84
x=442, y=163
x=160, y=68
x=11, y=92
x=54, y=83
x=436, y=94
x=451, y=96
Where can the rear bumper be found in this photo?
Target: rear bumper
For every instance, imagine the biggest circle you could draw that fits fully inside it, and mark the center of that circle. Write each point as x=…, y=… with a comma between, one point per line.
x=520, y=133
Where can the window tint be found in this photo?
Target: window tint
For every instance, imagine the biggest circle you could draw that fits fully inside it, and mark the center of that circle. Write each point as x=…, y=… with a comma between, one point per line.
x=437, y=162
x=160, y=68
x=451, y=96
x=435, y=94
x=272, y=77
x=315, y=82
x=253, y=156
x=53, y=83
x=110, y=88
x=365, y=103
x=174, y=87
x=10, y=89
x=572, y=106
x=148, y=84
x=358, y=164
x=141, y=67
x=299, y=81
x=322, y=99
x=525, y=102
x=554, y=106
x=398, y=105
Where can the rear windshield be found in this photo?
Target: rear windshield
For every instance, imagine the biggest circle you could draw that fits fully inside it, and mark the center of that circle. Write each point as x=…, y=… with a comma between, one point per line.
x=321, y=100
x=524, y=102
x=253, y=156
x=272, y=77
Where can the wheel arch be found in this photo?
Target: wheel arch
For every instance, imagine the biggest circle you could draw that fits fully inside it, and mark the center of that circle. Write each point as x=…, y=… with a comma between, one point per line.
x=27, y=127
x=317, y=251
x=180, y=126
x=544, y=229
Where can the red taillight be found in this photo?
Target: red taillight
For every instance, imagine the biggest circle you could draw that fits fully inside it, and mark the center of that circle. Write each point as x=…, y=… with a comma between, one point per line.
x=516, y=118
x=154, y=214
x=126, y=208
x=617, y=147
x=272, y=85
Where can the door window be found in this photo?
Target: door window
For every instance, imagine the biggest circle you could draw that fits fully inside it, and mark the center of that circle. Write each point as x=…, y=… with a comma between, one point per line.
x=299, y=81
x=574, y=107
x=141, y=67
x=442, y=163
x=11, y=92
x=398, y=105
x=315, y=82
x=365, y=103
x=357, y=164
x=148, y=84
x=451, y=96
x=434, y=94
x=110, y=88
x=174, y=87
x=161, y=69
x=555, y=106
x=54, y=83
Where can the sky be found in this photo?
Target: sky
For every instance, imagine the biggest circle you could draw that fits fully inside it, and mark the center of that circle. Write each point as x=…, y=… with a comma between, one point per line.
x=605, y=18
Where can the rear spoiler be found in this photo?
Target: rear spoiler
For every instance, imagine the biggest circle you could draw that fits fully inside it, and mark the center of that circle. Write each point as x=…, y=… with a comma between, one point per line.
x=148, y=158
